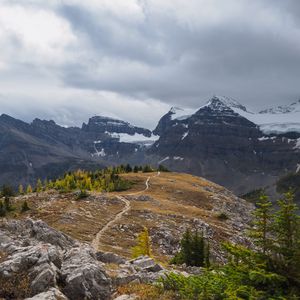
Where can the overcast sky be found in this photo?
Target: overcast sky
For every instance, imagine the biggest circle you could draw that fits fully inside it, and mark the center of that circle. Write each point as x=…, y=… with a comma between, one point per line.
x=68, y=60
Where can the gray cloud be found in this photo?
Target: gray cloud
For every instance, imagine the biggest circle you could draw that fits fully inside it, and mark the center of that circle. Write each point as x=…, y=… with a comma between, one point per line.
x=148, y=55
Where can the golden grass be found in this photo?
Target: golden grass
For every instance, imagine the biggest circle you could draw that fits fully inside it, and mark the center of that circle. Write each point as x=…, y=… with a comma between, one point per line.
x=176, y=201
x=146, y=292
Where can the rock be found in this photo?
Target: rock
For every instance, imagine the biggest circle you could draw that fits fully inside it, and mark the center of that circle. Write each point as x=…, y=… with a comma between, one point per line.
x=146, y=263
x=62, y=262
x=52, y=294
x=126, y=297
x=109, y=257
x=83, y=275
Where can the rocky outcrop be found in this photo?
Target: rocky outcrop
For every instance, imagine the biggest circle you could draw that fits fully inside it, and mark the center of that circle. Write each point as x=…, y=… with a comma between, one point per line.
x=53, y=264
x=110, y=125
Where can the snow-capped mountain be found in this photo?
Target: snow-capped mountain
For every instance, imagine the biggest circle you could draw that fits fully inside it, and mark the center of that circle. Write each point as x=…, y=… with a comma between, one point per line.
x=278, y=120
x=229, y=144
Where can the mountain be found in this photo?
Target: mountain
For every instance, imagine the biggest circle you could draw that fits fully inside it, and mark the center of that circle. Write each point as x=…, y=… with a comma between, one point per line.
x=44, y=149
x=224, y=142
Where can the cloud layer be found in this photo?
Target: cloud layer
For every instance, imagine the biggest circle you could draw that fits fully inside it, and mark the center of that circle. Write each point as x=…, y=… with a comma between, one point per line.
x=132, y=59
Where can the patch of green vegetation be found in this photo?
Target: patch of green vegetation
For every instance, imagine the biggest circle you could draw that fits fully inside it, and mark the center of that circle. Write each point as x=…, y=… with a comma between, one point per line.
x=270, y=271
x=194, y=250
x=222, y=216
x=252, y=196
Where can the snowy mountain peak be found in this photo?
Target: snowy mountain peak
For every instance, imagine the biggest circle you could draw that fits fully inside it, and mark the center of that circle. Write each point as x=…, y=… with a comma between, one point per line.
x=283, y=109
x=222, y=102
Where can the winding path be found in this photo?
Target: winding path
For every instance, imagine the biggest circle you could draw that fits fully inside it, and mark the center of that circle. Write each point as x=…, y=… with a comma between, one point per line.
x=127, y=207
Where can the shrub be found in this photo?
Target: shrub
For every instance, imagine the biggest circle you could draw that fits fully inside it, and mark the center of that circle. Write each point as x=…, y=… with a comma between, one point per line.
x=25, y=207
x=222, y=216
x=82, y=194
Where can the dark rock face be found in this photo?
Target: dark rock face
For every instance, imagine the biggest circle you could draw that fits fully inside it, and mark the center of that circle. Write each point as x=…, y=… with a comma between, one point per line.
x=221, y=145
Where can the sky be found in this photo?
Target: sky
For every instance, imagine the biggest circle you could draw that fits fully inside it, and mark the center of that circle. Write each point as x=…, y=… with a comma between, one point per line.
x=68, y=60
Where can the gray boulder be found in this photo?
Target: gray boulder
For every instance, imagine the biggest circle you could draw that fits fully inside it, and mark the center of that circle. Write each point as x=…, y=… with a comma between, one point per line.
x=83, y=276
x=52, y=294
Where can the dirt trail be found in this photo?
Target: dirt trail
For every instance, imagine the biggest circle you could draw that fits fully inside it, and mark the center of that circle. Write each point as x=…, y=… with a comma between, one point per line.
x=127, y=207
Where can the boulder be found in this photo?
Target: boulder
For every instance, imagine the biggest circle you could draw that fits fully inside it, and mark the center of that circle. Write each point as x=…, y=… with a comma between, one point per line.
x=109, y=257
x=83, y=275
x=146, y=263
x=52, y=294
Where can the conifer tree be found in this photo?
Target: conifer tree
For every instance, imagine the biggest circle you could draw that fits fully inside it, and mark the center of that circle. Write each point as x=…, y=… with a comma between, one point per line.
x=7, y=204
x=143, y=246
x=21, y=189
x=262, y=224
x=2, y=209
x=197, y=250
x=287, y=236
x=25, y=206
x=128, y=168
x=136, y=169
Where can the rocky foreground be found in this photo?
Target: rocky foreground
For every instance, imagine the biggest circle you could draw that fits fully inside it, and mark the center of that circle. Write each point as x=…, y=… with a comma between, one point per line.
x=38, y=262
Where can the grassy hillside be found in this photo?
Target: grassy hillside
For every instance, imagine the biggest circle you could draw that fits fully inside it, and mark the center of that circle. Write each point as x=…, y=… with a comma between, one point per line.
x=172, y=203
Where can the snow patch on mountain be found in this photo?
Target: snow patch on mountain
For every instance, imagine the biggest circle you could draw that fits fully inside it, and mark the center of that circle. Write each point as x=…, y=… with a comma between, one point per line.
x=184, y=135
x=178, y=113
x=134, y=139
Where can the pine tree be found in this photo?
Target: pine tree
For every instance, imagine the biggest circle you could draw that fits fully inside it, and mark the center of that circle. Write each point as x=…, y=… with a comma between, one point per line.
x=136, y=169
x=287, y=236
x=2, y=209
x=143, y=246
x=25, y=206
x=262, y=224
x=7, y=204
x=197, y=250
x=128, y=168
x=186, y=248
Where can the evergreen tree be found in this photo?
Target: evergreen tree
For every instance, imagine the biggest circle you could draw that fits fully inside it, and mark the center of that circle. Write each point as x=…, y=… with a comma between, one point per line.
x=128, y=168
x=286, y=231
x=197, y=250
x=25, y=206
x=143, y=246
x=262, y=224
x=194, y=250
x=7, y=204
x=136, y=169
x=2, y=209
x=147, y=169
x=7, y=191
